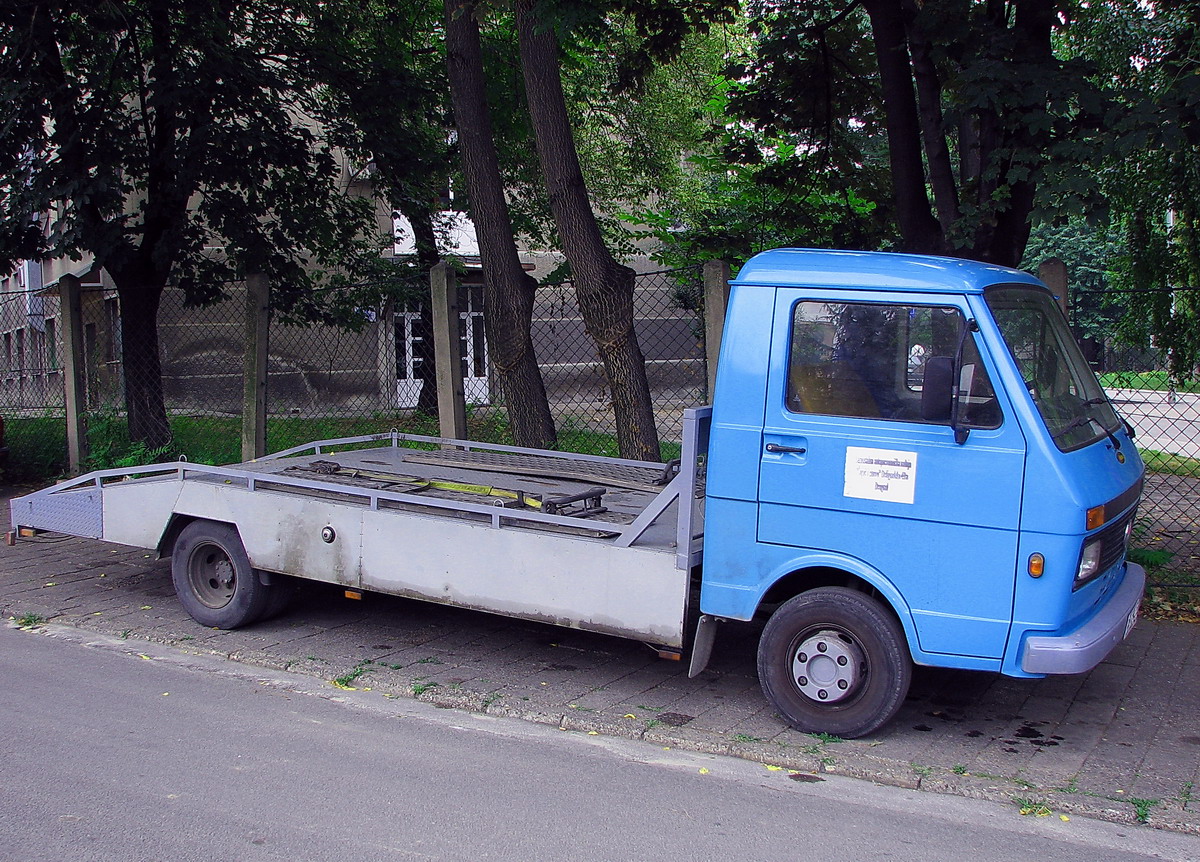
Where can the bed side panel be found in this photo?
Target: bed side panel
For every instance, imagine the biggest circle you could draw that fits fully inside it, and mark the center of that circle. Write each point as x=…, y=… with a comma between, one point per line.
x=565, y=580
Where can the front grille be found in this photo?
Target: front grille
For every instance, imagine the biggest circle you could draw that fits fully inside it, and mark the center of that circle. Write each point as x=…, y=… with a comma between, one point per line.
x=1113, y=537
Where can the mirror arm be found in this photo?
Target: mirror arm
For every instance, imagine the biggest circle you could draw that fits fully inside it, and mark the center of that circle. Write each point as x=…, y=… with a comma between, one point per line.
x=960, y=432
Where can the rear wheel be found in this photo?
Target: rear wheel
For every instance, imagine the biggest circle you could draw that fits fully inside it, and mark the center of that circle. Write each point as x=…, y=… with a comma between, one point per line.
x=834, y=660
x=282, y=590
x=213, y=577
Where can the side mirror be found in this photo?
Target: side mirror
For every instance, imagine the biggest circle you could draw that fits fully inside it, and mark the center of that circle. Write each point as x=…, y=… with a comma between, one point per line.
x=937, y=390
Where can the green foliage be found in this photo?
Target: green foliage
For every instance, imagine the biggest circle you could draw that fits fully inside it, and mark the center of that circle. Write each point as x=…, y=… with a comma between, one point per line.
x=187, y=143
x=637, y=93
x=739, y=210
x=1151, y=174
x=1089, y=251
x=1151, y=558
x=1001, y=115
x=109, y=446
x=744, y=189
x=632, y=136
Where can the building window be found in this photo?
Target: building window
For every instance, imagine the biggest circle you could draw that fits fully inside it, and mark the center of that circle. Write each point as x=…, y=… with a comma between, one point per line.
x=51, y=344
x=112, y=311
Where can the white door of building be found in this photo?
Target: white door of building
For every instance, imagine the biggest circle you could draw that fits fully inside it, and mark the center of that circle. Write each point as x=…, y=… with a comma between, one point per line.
x=472, y=352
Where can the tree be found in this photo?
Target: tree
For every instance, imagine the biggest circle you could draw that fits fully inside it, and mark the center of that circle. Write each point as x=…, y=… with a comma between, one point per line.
x=387, y=84
x=146, y=133
x=750, y=188
x=603, y=287
x=508, y=290
x=1152, y=181
x=979, y=111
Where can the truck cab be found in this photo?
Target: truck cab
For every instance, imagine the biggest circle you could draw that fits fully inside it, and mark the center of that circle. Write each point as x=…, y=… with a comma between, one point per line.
x=927, y=472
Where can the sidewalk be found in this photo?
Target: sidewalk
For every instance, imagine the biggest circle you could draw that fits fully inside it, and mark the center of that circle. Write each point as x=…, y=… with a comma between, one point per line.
x=1120, y=743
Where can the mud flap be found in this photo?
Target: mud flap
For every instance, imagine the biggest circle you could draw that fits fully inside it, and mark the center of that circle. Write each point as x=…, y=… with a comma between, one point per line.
x=702, y=644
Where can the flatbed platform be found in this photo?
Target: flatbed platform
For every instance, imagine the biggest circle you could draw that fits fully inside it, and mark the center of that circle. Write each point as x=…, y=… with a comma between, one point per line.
x=586, y=541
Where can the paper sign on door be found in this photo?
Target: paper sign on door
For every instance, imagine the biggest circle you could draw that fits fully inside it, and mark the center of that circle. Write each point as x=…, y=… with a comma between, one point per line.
x=880, y=474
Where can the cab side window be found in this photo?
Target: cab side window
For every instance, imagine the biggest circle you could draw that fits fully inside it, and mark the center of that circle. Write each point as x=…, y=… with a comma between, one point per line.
x=877, y=361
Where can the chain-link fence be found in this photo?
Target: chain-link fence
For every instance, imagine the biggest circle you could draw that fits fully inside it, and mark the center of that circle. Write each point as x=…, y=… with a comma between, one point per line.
x=196, y=374
x=669, y=327
x=31, y=384
x=332, y=382
x=1165, y=415
x=322, y=381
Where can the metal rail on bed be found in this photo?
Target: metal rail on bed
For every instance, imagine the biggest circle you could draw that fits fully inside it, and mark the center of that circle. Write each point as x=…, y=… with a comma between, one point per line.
x=75, y=506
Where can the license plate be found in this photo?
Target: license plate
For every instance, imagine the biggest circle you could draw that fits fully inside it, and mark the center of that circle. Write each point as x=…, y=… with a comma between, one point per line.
x=1132, y=621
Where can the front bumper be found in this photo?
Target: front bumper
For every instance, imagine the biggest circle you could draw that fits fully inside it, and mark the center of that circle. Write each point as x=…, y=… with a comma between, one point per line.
x=1087, y=646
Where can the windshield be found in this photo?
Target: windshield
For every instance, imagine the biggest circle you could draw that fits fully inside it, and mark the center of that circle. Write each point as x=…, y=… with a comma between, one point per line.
x=1065, y=390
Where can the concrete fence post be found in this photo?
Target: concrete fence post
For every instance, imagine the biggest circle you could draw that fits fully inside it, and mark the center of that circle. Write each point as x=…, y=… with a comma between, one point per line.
x=254, y=367
x=74, y=371
x=1053, y=272
x=716, y=298
x=447, y=329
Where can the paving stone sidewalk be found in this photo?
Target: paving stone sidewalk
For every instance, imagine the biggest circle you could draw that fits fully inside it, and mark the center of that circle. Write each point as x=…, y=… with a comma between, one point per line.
x=1120, y=743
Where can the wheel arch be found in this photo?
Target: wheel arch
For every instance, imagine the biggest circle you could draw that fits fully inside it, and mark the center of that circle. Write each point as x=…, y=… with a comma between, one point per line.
x=175, y=526
x=179, y=522
x=835, y=570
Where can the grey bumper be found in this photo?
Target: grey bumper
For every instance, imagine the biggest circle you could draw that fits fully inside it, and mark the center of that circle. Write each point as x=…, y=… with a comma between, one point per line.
x=1087, y=646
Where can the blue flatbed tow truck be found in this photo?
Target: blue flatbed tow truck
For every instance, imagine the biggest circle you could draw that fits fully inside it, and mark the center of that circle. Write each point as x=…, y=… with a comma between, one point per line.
x=907, y=460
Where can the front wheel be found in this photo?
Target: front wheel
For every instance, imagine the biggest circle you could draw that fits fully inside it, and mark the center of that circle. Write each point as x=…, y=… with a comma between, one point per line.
x=834, y=660
x=213, y=577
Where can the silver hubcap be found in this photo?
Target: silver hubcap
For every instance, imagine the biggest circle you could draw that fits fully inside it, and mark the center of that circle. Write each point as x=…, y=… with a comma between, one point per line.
x=828, y=666
x=212, y=577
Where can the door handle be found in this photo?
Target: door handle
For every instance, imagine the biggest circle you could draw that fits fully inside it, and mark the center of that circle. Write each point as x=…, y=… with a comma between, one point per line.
x=779, y=447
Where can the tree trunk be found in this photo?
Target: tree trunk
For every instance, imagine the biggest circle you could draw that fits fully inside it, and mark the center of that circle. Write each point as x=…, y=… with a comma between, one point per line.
x=603, y=287
x=1033, y=53
x=919, y=230
x=508, y=290
x=144, y=404
x=933, y=129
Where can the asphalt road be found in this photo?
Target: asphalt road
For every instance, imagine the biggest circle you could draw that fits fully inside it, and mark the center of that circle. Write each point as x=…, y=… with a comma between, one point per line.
x=120, y=751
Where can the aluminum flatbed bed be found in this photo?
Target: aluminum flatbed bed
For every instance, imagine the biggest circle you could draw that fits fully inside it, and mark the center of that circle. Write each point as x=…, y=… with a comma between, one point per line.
x=598, y=543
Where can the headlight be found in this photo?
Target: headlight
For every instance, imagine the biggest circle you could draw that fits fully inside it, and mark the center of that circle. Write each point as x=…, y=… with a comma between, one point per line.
x=1089, y=561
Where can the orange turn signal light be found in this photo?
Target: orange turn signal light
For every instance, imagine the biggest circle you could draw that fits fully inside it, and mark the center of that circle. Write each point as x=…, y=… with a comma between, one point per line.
x=1095, y=517
x=1037, y=565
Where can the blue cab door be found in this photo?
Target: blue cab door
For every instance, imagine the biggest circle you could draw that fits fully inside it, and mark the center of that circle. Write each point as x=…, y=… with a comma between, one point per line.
x=859, y=460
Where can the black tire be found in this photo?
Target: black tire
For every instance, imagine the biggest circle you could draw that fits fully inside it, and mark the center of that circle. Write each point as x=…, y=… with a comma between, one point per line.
x=281, y=592
x=213, y=577
x=833, y=660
